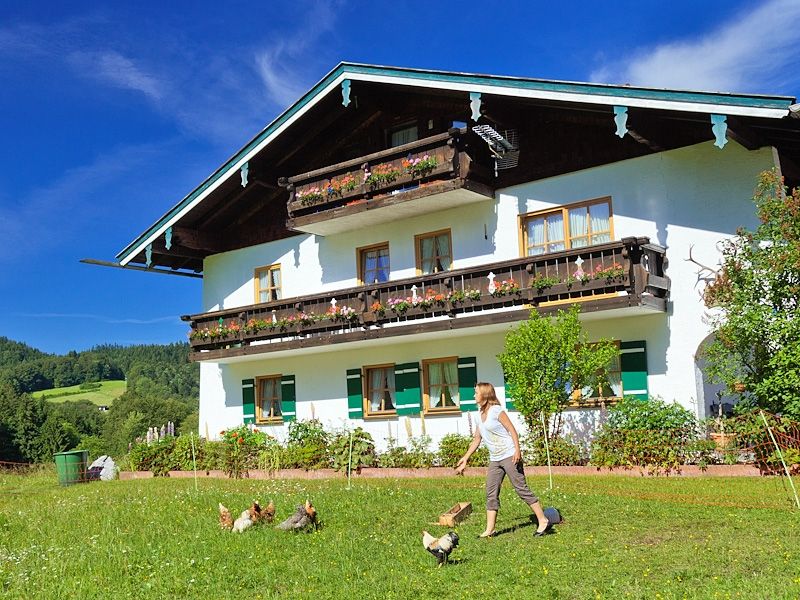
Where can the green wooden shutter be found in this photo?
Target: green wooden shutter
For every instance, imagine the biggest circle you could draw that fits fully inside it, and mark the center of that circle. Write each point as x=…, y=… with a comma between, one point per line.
x=407, y=392
x=509, y=399
x=355, y=394
x=248, y=401
x=633, y=363
x=288, y=398
x=467, y=378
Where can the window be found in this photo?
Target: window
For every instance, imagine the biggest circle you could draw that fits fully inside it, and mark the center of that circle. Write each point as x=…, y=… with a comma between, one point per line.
x=268, y=399
x=268, y=283
x=434, y=252
x=373, y=264
x=441, y=385
x=403, y=135
x=380, y=390
x=608, y=389
x=572, y=226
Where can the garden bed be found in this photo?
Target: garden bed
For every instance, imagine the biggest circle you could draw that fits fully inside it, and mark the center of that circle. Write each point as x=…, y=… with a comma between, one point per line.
x=437, y=472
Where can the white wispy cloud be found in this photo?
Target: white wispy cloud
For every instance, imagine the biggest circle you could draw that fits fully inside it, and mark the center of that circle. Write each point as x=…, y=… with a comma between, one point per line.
x=119, y=71
x=284, y=64
x=100, y=318
x=755, y=51
x=49, y=214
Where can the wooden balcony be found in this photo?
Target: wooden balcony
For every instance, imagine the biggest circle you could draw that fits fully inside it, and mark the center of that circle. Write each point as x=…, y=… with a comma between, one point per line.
x=428, y=175
x=619, y=275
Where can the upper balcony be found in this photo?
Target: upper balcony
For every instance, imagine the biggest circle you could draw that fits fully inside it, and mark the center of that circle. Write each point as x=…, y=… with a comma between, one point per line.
x=428, y=175
x=628, y=274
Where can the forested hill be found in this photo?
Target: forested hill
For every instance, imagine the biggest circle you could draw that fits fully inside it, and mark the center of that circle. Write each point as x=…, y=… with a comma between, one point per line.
x=162, y=385
x=27, y=369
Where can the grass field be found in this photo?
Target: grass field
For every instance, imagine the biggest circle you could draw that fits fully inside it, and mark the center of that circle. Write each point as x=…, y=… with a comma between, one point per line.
x=625, y=538
x=108, y=392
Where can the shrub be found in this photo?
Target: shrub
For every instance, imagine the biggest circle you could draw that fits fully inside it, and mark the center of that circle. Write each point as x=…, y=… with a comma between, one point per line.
x=306, y=445
x=155, y=457
x=363, y=452
x=648, y=433
x=453, y=446
x=563, y=451
x=94, y=444
x=241, y=449
x=418, y=456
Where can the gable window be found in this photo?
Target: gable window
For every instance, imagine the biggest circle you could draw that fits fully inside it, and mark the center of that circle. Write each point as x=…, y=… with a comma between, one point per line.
x=373, y=264
x=403, y=135
x=571, y=226
x=268, y=283
x=434, y=252
x=268, y=399
x=440, y=385
x=380, y=390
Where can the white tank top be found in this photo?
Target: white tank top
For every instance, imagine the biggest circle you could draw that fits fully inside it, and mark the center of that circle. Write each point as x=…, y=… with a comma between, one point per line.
x=494, y=435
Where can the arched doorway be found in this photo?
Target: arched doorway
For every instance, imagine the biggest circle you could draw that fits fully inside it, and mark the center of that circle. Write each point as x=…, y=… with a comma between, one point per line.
x=711, y=397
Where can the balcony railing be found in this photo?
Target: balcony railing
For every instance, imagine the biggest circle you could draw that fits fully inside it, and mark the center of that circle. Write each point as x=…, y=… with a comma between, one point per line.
x=322, y=201
x=613, y=275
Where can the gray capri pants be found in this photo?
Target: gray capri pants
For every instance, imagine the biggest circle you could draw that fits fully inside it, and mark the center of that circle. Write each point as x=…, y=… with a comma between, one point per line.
x=494, y=479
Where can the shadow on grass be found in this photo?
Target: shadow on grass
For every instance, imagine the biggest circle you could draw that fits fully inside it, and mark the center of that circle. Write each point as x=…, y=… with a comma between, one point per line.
x=522, y=522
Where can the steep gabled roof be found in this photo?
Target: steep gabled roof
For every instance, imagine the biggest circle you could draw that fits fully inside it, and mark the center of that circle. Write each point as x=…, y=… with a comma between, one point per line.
x=742, y=105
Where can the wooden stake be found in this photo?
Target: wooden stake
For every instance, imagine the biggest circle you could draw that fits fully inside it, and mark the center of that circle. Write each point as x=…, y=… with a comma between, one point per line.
x=547, y=450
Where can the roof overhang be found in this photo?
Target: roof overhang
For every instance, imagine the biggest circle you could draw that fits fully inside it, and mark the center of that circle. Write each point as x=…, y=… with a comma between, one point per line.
x=768, y=107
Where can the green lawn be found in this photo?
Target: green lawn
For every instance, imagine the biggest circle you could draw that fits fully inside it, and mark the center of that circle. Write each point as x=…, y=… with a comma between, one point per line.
x=108, y=392
x=625, y=538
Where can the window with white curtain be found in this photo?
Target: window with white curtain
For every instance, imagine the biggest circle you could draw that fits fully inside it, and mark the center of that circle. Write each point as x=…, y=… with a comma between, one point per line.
x=434, y=252
x=608, y=389
x=441, y=384
x=380, y=390
x=403, y=135
x=268, y=400
x=374, y=264
x=572, y=226
x=268, y=283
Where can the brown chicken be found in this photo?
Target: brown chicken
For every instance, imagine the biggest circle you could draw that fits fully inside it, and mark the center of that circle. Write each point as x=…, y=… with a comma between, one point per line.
x=225, y=519
x=259, y=515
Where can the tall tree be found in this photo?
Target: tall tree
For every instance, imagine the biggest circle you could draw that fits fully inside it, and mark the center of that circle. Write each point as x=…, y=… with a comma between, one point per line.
x=756, y=350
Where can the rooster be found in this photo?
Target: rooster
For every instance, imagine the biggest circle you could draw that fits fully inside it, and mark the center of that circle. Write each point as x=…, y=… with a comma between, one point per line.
x=303, y=519
x=442, y=547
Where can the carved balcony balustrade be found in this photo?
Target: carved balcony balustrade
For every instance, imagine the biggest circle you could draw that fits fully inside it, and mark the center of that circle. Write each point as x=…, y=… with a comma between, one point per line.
x=423, y=176
x=618, y=275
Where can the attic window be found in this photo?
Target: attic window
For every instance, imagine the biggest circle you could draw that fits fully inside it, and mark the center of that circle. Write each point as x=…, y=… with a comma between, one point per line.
x=403, y=135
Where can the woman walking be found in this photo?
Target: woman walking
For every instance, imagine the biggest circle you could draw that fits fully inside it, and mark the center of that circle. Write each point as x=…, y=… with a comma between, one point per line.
x=498, y=434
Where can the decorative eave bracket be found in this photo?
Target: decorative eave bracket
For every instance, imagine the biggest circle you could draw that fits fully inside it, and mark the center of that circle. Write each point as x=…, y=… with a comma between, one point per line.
x=475, y=105
x=244, y=172
x=719, y=127
x=621, y=119
x=346, y=93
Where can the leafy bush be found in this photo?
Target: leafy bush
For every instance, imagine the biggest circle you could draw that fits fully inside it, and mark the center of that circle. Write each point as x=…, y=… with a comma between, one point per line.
x=94, y=444
x=155, y=457
x=453, y=446
x=306, y=445
x=417, y=456
x=649, y=433
x=363, y=451
x=563, y=451
x=241, y=449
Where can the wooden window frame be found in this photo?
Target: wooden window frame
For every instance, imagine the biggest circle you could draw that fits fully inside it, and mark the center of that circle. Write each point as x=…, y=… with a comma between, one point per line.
x=256, y=278
x=271, y=419
x=564, y=210
x=601, y=400
x=418, y=247
x=368, y=413
x=426, y=401
x=360, y=264
x=390, y=131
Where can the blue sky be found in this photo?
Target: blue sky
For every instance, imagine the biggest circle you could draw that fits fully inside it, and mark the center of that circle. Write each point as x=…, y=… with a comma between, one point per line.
x=109, y=115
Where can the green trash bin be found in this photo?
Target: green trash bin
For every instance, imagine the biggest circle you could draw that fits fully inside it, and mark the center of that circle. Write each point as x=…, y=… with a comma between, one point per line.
x=71, y=466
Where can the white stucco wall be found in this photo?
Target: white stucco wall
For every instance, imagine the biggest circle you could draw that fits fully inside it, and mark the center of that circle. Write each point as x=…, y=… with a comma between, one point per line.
x=693, y=196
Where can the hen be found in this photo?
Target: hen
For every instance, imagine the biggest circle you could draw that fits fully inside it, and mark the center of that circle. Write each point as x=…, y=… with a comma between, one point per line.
x=303, y=519
x=225, y=519
x=441, y=547
x=258, y=514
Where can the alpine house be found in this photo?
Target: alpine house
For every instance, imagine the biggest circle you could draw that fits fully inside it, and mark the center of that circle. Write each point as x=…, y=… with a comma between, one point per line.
x=364, y=255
